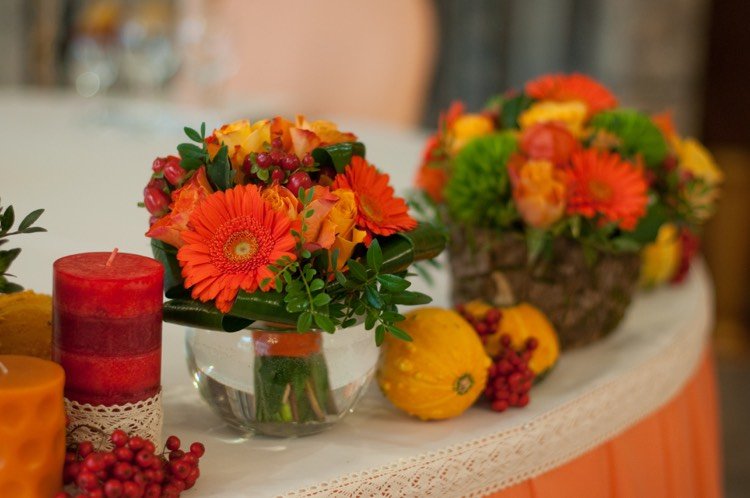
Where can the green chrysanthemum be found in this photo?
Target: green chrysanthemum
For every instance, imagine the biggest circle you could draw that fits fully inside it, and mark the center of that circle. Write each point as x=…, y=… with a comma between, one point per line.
x=638, y=134
x=479, y=192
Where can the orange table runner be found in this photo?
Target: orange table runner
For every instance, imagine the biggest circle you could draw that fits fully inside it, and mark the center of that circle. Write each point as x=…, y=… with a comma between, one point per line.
x=673, y=453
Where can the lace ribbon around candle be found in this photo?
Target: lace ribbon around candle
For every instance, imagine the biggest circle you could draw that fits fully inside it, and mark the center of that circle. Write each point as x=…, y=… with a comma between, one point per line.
x=143, y=418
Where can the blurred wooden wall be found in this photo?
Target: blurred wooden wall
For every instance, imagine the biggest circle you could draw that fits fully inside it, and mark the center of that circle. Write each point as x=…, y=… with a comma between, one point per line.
x=726, y=129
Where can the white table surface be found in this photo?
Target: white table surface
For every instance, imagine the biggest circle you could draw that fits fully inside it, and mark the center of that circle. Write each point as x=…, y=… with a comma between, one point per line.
x=87, y=167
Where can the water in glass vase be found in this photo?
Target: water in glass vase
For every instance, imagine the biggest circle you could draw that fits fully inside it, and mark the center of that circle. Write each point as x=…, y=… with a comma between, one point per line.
x=281, y=384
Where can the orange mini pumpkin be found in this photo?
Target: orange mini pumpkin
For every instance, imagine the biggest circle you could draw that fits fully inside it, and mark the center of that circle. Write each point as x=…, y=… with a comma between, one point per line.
x=441, y=372
x=521, y=322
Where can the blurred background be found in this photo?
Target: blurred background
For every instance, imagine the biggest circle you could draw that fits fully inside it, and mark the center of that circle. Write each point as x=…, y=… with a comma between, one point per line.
x=398, y=63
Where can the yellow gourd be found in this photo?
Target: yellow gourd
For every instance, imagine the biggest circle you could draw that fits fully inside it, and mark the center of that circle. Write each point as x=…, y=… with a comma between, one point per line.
x=26, y=324
x=521, y=322
x=441, y=372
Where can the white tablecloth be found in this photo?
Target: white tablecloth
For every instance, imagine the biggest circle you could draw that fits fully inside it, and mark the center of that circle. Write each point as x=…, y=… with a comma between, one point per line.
x=87, y=168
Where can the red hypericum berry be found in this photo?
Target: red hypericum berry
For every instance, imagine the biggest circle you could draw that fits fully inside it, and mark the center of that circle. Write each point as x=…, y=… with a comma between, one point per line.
x=158, y=475
x=493, y=315
x=173, y=443
x=95, y=462
x=156, y=201
x=124, y=454
x=178, y=483
x=263, y=160
x=87, y=480
x=123, y=471
x=136, y=443
x=190, y=459
x=71, y=471
x=276, y=143
x=113, y=488
x=119, y=438
x=197, y=449
x=170, y=491
x=85, y=448
x=298, y=180
x=290, y=162
x=308, y=161
x=131, y=490
x=95, y=493
x=143, y=459
x=157, y=183
x=62, y=494
x=277, y=175
x=532, y=343
x=109, y=459
x=174, y=173
x=180, y=469
x=149, y=446
x=153, y=490
x=176, y=455
x=158, y=164
x=70, y=457
x=276, y=157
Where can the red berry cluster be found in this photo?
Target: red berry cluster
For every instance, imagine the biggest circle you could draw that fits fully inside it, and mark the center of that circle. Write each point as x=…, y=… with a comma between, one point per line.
x=509, y=379
x=283, y=167
x=484, y=326
x=690, y=244
x=167, y=175
x=132, y=469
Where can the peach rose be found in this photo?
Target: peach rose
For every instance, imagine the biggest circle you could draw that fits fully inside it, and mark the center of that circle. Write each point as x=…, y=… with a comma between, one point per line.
x=572, y=114
x=281, y=199
x=539, y=191
x=241, y=138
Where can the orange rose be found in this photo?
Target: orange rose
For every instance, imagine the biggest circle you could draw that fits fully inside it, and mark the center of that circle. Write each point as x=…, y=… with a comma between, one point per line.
x=184, y=201
x=314, y=233
x=281, y=199
x=341, y=222
x=538, y=190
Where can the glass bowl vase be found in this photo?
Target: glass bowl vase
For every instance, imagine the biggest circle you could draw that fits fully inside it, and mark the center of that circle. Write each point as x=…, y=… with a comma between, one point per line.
x=278, y=382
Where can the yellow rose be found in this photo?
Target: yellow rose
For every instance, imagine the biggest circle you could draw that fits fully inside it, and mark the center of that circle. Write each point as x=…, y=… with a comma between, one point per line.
x=661, y=258
x=467, y=127
x=539, y=192
x=697, y=160
x=282, y=200
x=242, y=138
x=572, y=114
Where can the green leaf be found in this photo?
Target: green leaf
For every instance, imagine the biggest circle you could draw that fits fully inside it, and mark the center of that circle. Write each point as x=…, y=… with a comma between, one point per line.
x=370, y=320
x=512, y=108
x=7, y=257
x=304, y=322
x=204, y=315
x=411, y=298
x=321, y=300
x=316, y=285
x=648, y=227
x=203, y=130
x=375, y=256
x=220, y=170
x=380, y=334
x=6, y=222
x=373, y=298
x=193, y=135
x=402, y=249
x=398, y=333
x=30, y=219
x=357, y=270
x=10, y=287
x=393, y=283
x=626, y=244
x=167, y=256
x=34, y=230
x=325, y=323
x=338, y=155
x=191, y=150
x=263, y=306
x=537, y=241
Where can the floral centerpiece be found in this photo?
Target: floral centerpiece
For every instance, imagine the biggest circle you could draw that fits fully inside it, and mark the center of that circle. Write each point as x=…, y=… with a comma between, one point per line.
x=285, y=227
x=551, y=193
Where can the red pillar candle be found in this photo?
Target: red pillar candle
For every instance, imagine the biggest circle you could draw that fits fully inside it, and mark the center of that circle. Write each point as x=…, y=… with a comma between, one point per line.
x=107, y=312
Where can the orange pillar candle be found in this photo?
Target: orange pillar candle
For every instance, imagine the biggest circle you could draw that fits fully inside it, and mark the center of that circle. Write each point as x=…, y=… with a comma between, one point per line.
x=32, y=427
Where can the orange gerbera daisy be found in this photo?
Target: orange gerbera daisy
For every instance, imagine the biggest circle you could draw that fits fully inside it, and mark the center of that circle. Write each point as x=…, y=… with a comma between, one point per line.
x=379, y=211
x=232, y=238
x=603, y=184
x=567, y=87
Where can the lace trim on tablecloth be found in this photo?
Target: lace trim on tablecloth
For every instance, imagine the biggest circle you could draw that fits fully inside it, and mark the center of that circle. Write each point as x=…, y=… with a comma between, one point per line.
x=144, y=418
x=487, y=465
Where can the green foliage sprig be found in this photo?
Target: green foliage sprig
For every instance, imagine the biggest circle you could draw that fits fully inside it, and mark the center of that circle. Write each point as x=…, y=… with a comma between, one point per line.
x=218, y=170
x=7, y=219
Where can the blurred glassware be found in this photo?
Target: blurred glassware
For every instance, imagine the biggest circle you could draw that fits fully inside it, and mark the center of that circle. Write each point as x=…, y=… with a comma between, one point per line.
x=149, y=55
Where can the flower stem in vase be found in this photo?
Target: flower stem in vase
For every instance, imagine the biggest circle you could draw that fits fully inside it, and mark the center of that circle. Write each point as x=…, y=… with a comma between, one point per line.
x=291, y=378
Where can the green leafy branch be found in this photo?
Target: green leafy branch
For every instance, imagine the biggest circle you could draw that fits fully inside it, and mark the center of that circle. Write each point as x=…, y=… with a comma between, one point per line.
x=219, y=169
x=7, y=219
